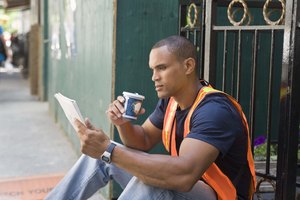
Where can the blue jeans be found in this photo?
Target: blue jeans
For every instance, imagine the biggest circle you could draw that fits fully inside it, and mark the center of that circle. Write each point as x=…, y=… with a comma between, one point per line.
x=88, y=175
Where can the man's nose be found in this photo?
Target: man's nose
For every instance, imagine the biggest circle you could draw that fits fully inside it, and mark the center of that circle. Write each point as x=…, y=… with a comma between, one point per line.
x=154, y=76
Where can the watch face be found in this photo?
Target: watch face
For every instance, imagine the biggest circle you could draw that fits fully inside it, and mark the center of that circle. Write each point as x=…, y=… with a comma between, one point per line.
x=105, y=159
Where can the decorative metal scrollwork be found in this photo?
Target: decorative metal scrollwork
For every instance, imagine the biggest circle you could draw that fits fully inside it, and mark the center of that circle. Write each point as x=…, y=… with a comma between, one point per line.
x=267, y=13
x=247, y=17
x=231, y=14
x=192, y=22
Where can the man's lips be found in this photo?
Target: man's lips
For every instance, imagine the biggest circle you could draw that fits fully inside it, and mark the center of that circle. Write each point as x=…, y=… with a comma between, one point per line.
x=158, y=87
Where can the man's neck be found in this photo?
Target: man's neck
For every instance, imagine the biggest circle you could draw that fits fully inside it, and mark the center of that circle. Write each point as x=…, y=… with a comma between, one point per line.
x=188, y=96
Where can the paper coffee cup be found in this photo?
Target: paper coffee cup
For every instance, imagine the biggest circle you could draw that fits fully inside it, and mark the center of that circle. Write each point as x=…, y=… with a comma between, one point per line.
x=132, y=105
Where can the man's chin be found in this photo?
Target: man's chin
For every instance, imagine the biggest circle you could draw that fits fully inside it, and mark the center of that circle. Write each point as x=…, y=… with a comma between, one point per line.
x=162, y=95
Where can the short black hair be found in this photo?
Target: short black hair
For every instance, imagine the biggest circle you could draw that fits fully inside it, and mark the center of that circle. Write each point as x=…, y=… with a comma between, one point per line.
x=181, y=47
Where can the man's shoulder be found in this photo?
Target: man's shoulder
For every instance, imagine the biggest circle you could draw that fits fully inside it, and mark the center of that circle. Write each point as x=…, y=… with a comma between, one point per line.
x=216, y=98
x=216, y=106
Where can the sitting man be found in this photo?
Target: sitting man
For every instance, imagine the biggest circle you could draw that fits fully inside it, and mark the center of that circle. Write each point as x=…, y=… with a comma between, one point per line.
x=204, y=130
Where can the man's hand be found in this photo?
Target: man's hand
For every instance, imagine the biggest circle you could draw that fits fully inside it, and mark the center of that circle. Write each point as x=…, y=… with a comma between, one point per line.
x=116, y=110
x=93, y=141
x=89, y=125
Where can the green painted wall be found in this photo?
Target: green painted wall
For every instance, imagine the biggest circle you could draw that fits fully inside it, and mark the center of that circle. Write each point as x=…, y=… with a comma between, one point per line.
x=87, y=76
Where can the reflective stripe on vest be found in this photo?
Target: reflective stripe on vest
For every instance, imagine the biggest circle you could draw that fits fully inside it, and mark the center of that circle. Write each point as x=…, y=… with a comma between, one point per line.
x=213, y=175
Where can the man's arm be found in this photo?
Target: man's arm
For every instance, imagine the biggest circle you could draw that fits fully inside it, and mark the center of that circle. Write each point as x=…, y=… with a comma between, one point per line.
x=139, y=137
x=176, y=173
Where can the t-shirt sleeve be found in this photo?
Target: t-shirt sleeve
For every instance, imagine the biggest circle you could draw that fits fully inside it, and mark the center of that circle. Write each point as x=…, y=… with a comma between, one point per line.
x=157, y=116
x=217, y=122
x=1, y=30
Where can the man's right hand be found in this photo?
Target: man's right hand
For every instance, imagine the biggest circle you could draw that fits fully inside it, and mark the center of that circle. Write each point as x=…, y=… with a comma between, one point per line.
x=115, y=111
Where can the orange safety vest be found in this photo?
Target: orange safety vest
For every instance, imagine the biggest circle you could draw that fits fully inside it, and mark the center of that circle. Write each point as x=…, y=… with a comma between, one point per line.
x=213, y=176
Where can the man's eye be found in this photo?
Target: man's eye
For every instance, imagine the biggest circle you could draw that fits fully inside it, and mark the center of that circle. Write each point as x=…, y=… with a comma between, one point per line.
x=161, y=68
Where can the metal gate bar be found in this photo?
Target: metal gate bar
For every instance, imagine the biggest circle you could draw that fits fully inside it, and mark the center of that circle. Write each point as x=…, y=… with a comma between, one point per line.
x=289, y=105
x=234, y=44
x=269, y=104
x=224, y=61
x=238, y=75
x=253, y=91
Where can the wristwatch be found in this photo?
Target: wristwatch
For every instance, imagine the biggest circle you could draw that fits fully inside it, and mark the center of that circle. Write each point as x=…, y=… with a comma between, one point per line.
x=106, y=156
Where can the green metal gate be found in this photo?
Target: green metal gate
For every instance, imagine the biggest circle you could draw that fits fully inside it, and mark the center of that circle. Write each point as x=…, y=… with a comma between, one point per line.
x=247, y=48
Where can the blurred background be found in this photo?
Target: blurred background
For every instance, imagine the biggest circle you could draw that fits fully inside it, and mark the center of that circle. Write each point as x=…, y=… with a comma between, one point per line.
x=15, y=21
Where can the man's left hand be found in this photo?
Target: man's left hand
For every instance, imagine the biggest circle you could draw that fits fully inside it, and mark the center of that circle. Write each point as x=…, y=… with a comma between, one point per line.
x=93, y=142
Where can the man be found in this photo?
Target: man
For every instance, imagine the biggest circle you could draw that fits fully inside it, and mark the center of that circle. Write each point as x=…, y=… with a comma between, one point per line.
x=203, y=129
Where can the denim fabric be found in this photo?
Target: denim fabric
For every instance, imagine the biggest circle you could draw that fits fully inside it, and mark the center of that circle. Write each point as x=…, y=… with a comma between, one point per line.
x=88, y=175
x=85, y=178
x=137, y=190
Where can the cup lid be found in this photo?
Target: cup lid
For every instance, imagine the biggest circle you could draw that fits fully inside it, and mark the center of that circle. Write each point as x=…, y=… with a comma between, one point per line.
x=134, y=95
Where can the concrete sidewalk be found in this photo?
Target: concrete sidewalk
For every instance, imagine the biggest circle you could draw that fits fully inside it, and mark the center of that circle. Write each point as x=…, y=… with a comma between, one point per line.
x=31, y=144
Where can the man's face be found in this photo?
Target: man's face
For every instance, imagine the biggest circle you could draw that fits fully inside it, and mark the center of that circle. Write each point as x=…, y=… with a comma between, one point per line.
x=168, y=72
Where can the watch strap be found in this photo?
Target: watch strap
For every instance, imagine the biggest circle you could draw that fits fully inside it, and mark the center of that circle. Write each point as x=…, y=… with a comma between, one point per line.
x=111, y=147
x=106, y=156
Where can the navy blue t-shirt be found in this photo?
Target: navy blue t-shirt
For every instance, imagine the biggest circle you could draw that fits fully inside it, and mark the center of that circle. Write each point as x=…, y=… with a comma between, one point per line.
x=217, y=122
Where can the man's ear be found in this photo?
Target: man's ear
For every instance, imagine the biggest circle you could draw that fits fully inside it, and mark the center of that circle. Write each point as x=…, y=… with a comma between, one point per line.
x=190, y=65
